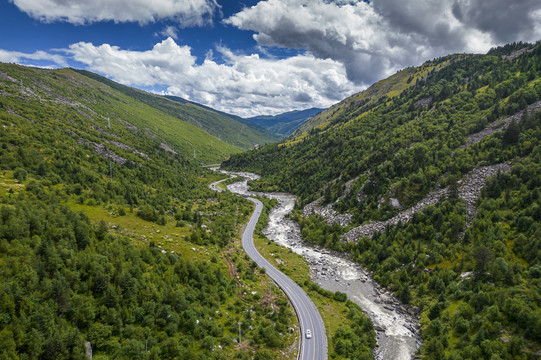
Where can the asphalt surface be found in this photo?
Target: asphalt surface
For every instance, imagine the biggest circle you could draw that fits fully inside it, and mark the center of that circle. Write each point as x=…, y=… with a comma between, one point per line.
x=309, y=318
x=214, y=185
x=314, y=348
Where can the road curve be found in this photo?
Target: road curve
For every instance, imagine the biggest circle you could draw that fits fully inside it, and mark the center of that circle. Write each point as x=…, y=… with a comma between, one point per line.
x=307, y=313
x=314, y=348
x=214, y=185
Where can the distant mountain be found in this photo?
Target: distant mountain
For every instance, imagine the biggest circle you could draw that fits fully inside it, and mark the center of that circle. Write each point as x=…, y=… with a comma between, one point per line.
x=228, y=128
x=231, y=128
x=286, y=123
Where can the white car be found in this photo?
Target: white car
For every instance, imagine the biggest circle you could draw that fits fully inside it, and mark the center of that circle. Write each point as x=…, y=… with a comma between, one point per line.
x=308, y=334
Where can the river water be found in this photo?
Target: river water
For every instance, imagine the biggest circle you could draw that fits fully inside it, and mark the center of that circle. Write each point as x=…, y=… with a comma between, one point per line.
x=396, y=329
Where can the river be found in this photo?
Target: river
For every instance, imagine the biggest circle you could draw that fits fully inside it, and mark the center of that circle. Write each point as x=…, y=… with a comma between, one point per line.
x=397, y=334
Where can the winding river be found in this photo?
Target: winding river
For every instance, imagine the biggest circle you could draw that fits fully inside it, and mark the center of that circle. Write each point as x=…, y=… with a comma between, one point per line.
x=397, y=332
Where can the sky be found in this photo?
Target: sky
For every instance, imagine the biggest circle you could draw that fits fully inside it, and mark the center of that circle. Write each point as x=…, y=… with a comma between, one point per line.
x=256, y=57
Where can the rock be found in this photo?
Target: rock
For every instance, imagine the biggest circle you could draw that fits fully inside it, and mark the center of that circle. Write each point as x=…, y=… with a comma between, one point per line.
x=88, y=349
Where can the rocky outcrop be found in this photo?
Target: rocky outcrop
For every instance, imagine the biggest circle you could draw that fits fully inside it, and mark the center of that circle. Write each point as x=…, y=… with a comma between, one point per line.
x=472, y=185
x=517, y=53
x=469, y=190
x=127, y=147
x=423, y=102
x=103, y=151
x=167, y=148
x=500, y=125
x=331, y=216
x=102, y=131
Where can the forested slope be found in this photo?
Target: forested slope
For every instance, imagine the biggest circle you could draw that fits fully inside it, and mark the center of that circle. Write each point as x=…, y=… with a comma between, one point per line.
x=435, y=189
x=110, y=239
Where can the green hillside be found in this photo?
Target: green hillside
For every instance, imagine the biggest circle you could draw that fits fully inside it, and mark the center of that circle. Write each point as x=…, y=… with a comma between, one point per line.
x=431, y=180
x=384, y=89
x=228, y=128
x=110, y=236
x=90, y=107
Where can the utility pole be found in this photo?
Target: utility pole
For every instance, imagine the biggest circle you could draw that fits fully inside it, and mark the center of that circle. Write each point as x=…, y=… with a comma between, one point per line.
x=270, y=294
x=108, y=123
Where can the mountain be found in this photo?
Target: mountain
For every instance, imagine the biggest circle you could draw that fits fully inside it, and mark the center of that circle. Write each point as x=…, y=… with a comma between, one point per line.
x=227, y=128
x=430, y=179
x=231, y=128
x=111, y=242
x=286, y=123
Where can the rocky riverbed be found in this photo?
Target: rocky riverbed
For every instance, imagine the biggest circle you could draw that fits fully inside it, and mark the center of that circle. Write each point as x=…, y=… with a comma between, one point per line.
x=396, y=325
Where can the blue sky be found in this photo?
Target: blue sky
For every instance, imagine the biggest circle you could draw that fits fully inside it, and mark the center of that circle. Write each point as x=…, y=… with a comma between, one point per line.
x=255, y=57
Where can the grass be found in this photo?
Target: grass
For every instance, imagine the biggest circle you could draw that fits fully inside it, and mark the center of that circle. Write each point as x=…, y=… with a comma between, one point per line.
x=333, y=313
x=8, y=184
x=229, y=129
x=168, y=236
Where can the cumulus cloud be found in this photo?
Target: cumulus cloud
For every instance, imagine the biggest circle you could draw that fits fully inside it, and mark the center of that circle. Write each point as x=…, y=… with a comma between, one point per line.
x=42, y=56
x=373, y=40
x=244, y=85
x=186, y=12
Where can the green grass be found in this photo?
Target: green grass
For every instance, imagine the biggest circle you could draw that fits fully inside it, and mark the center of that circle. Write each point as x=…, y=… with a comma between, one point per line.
x=67, y=99
x=333, y=313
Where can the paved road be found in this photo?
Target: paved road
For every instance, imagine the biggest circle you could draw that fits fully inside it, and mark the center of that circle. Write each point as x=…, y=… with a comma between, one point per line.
x=214, y=185
x=307, y=313
x=314, y=348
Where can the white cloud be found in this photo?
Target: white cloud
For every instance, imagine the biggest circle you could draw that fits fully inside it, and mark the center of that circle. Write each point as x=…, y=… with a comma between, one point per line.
x=373, y=40
x=145, y=68
x=186, y=12
x=22, y=58
x=169, y=31
x=244, y=85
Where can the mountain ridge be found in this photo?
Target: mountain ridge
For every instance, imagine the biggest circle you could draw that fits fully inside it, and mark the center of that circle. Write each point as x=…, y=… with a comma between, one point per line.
x=433, y=187
x=286, y=123
x=224, y=127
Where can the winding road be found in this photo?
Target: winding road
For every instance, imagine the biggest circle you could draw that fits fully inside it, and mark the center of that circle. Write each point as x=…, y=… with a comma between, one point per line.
x=315, y=347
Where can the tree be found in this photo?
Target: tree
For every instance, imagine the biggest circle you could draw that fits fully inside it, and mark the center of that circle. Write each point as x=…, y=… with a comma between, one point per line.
x=483, y=257
x=511, y=134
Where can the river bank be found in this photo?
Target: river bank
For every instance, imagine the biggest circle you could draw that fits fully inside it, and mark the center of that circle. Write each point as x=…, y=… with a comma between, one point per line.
x=397, y=326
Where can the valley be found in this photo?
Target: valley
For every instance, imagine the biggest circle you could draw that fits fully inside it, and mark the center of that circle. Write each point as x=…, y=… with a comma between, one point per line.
x=405, y=219
x=433, y=187
x=396, y=329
